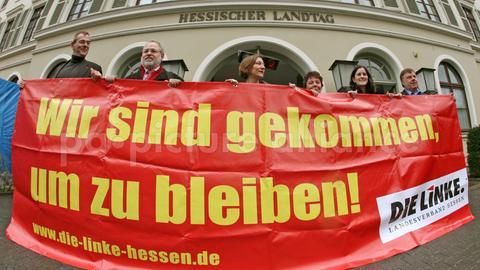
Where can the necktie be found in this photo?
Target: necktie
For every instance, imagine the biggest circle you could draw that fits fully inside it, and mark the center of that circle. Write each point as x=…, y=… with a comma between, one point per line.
x=145, y=75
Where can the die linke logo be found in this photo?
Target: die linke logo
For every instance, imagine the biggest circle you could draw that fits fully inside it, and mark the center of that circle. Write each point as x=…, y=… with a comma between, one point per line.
x=433, y=196
x=417, y=207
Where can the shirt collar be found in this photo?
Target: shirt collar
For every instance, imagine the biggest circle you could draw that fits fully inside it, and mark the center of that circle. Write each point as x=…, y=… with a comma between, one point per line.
x=412, y=91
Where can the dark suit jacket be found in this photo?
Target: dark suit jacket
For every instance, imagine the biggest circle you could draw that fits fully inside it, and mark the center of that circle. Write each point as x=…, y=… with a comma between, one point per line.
x=164, y=75
x=405, y=93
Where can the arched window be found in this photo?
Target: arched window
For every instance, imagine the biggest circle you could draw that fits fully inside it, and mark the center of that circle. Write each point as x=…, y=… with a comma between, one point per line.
x=55, y=69
x=13, y=79
x=451, y=82
x=286, y=71
x=131, y=65
x=381, y=72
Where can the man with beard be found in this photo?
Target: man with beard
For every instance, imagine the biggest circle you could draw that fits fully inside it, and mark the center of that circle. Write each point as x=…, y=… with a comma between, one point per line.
x=151, y=68
x=78, y=66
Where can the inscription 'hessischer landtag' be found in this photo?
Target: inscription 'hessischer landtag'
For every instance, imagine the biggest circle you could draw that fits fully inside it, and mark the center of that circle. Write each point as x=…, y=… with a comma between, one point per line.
x=256, y=15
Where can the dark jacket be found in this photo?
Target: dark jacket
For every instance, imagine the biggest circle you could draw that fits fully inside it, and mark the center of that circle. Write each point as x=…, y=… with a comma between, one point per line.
x=164, y=75
x=76, y=67
x=406, y=93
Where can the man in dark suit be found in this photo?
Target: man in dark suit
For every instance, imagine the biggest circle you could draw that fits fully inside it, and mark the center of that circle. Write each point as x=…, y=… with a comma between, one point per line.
x=151, y=68
x=408, y=77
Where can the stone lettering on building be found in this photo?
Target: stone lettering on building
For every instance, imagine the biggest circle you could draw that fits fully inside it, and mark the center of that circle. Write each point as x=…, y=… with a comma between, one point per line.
x=256, y=15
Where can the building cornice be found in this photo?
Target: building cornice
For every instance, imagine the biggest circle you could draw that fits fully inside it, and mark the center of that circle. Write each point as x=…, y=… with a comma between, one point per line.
x=14, y=10
x=475, y=46
x=183, y=6
x=333, y=27
x=16, y=64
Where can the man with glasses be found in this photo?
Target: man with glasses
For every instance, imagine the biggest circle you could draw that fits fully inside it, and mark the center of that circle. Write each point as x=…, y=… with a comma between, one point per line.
x=151, y=68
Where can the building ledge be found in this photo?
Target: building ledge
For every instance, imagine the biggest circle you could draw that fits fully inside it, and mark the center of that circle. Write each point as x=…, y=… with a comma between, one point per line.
x=18, y=50
x=182, y=6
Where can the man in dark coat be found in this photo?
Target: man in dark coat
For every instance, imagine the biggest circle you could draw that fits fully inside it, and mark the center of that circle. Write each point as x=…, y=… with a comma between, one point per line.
x=78, y=66
x=151, y=68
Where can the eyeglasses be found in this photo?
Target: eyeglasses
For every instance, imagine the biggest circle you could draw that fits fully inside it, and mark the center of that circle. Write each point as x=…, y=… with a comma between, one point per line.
x=150, y=50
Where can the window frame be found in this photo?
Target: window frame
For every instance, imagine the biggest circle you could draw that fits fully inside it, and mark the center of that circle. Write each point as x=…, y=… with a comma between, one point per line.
x=73, y=15
x=357, y=2
x=472, y=22
x=452, y=86
x=424, y=11
x=32, y=24
x=388, y=85
x=6, y=35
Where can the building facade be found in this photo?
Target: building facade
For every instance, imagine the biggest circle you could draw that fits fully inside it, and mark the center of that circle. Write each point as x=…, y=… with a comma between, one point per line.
x=305, y=35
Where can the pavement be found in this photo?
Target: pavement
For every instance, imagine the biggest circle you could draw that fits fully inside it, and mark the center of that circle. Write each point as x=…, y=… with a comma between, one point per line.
x=459, y=249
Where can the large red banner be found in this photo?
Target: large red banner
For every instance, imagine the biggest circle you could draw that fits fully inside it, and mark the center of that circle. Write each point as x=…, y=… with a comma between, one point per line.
x=135, y=174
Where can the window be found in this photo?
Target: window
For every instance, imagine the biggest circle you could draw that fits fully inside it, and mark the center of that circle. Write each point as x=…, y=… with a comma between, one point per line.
x=451, y=82
x=360, y=2
x=472, y=23
x=79, y=9
x=390, y=4
x=145, y=2
x=13, y=79
x=6, y=35
x=427, y=9
x=449, y=12
x=381, y=72
x=32, y=24
x=131, y=65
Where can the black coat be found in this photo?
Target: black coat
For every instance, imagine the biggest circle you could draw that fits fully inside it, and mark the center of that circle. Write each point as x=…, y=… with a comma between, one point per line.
x=76, y=67
x=164, y=75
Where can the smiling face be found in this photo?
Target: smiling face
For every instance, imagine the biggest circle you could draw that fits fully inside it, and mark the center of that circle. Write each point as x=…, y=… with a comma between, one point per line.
x=81, y=45
x=314, y=84
x=258, y=69
x=360, y=78
x=152, y=56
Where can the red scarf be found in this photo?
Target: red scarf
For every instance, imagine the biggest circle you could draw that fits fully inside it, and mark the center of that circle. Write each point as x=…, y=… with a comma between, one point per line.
x=152, y=75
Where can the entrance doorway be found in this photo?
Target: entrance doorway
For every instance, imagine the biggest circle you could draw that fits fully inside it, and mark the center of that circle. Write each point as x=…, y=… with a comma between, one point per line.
x=287, y=71
x=222, y=63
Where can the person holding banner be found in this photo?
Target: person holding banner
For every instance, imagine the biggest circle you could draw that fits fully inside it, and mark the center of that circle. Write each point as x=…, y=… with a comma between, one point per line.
x=313, y=82
x=78, y=66
x=151, y=68
x=408, y=77
x=252, y=69
x=361, y=82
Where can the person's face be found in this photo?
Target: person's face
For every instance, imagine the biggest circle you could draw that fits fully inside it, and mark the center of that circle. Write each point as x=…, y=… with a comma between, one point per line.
x=409, y=80
x=314, y=83
x=258, y=69
x=81, y=45
x=361, y=77
x=151, y=56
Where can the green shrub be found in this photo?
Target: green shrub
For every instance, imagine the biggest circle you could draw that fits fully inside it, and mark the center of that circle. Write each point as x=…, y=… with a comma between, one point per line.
x=473, y=148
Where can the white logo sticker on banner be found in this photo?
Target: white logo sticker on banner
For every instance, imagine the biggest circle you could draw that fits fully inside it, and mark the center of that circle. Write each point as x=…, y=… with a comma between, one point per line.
x=417, y=207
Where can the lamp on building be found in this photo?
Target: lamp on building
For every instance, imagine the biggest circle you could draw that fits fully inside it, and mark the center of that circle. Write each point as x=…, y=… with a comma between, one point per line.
x=177, y=66
x=341, y=70
x=426, y=80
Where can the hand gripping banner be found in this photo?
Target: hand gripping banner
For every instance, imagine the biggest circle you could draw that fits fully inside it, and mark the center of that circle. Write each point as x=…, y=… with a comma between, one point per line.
x=138, y=175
